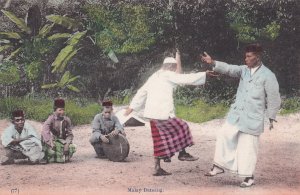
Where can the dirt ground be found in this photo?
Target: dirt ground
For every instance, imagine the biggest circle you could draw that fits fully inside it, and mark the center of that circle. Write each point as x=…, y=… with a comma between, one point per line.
x=277, y=172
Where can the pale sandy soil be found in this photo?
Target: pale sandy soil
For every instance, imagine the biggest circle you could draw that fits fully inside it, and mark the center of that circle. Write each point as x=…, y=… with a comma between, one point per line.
x=278, y=166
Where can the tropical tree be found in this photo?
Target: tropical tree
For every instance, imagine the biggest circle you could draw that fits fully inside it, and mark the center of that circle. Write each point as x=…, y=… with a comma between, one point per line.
x=33, y=44
x=65, y=83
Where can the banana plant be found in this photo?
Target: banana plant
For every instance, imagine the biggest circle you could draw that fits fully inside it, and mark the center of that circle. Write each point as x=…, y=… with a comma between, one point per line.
x=32, y=34
x=67, y=52
x=65, y=82
x=14, y=41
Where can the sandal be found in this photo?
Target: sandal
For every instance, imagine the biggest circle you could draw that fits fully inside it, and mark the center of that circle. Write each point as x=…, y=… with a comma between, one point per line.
x=248, y=182
x=161, y=172
x=167, y=159
x=187, y=157
x=213, y=171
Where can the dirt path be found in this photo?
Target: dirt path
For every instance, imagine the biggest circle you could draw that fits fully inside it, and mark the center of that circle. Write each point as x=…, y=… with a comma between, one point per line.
x=278, y=170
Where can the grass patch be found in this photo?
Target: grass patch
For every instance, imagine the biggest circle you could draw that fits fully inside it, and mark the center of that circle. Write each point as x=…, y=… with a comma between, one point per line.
x=201, y=112
x=290, y=105
x=40, y=108
x=82, y=111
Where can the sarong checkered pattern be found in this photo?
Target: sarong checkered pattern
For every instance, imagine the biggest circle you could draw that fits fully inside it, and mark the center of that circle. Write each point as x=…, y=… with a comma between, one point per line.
x=170, y=136
x=57, y=153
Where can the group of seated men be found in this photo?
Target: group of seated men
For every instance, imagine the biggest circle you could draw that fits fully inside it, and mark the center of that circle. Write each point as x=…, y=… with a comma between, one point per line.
x=21, y=140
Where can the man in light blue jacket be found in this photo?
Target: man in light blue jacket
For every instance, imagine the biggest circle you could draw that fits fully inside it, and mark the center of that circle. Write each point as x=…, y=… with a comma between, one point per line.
x=257, y=96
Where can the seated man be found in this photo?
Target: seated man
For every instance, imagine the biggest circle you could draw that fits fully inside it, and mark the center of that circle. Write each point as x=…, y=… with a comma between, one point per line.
x=104, y=124
x=57, y=135
x=21, y=141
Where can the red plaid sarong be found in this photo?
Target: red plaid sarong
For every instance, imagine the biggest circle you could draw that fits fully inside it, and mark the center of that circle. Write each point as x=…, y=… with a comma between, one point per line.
x=170, y=136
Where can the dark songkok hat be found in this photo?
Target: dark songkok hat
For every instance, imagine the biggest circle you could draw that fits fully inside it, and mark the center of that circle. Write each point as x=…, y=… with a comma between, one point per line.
x=256, y=48
x=18, y=113
x=107, y=103
x=59, y=103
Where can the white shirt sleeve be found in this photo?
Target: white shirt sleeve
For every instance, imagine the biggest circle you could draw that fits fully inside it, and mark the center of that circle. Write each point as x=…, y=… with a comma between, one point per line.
x=139, y=99
x=187, y=79
x=7, y=136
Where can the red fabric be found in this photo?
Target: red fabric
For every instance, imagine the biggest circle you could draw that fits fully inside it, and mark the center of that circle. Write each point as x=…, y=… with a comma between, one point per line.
x=18, y=113
x=170, y=136
x=107, y=103
x=59, y=103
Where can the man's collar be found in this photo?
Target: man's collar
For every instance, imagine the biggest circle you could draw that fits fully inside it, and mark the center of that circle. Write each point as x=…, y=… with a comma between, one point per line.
x=56, y=117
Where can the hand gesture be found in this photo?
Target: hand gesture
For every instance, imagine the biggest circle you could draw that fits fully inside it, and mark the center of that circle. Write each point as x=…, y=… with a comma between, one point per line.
x=212, y=73
x=123, y=133
x=207, y=59
x=271, y=126
x=104, y=139
x=128, y=111
x=66, y=149
x=115, y=132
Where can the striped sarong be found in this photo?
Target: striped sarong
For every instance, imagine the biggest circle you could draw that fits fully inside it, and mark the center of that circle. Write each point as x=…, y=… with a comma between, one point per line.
x=170, y=136
x=56, y=154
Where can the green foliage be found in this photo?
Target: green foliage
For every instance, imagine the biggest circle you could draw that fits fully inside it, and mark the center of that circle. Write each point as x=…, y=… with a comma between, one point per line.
x=45, y=30
x=40, y=108
x=13, y=54
x=65, y=82
x=290, y=105
x=200, y=111
x=10, y=35
x=271, y=31
x=59, y=36
x=18, y=21
x=67, y=52
x=213, y=93
x=122, y=97
x=244, y=18
x=67, y=22
x=5, y=47
x=9, y=73
x=124, y=29
x=33, y=69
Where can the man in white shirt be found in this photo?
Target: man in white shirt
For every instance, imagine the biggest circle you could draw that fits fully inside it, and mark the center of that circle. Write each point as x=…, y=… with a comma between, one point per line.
x=257, y=95
x=21, y=141
x=169, y=134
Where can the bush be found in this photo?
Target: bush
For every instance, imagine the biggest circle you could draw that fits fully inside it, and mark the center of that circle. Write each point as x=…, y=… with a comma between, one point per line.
x=290, y=105
x=39, y=109
x=200, y=111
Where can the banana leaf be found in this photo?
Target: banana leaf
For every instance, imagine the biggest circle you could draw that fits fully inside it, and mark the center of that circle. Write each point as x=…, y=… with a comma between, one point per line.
x=73, y=79
x=76, y=38
x=65, y=62
x=18, y=21
x=59, y=36
x=5, y=47
x=45, y=30
x=48, y=86
x=5, y=41
x=73, y=88
x=64, y=21
x=113, y=56
x=10, y=35
x=63, y=54
x=13, y=54
x=64, y=79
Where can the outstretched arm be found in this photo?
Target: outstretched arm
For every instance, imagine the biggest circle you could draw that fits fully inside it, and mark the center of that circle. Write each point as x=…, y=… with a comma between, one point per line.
x=222, y=67
x=138, y=100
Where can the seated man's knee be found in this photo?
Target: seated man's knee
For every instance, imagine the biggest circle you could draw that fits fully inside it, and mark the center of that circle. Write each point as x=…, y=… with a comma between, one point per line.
x=94, y=139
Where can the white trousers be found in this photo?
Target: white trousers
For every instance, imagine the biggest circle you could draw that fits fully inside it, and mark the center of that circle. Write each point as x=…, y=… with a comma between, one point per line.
x=236, y=151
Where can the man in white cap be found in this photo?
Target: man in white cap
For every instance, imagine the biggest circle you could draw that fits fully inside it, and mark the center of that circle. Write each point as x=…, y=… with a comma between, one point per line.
x=169, y=133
